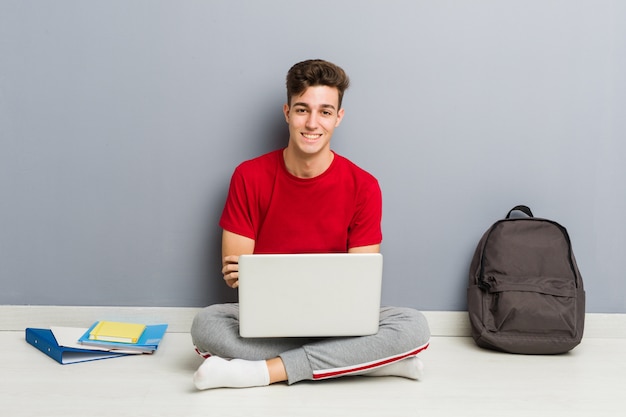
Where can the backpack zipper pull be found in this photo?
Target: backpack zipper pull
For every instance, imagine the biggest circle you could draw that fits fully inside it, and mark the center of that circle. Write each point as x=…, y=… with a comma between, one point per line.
x=483, y=284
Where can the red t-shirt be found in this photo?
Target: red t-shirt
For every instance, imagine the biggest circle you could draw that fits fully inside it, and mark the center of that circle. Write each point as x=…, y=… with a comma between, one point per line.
x=335, y=211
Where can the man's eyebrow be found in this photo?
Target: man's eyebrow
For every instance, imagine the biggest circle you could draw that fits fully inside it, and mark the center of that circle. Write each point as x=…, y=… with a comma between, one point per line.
x=325, y=106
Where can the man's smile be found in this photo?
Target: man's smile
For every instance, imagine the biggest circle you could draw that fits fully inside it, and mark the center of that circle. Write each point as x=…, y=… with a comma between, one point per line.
x=312, y=136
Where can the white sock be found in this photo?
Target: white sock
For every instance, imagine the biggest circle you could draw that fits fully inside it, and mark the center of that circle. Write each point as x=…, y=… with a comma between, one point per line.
x=216, y=372
x=411, y=368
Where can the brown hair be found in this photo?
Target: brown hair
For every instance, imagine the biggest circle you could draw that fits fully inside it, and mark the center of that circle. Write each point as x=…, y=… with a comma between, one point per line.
x=315, y=72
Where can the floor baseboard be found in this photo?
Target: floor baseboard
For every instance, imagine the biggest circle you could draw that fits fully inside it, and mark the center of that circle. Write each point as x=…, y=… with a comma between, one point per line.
x=442, y=323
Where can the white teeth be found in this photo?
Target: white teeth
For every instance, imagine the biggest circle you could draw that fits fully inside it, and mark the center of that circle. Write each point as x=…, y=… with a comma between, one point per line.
x=311, y=136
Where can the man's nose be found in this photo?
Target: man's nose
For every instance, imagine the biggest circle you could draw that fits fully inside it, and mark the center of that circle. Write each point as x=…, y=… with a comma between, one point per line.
x=311, y=121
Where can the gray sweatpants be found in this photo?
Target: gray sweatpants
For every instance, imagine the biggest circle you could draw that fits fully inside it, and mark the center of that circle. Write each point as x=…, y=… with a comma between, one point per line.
x=403, y=332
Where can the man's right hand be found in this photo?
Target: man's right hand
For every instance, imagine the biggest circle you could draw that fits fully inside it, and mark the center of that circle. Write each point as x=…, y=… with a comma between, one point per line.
x=230, y=270
x=234, y=245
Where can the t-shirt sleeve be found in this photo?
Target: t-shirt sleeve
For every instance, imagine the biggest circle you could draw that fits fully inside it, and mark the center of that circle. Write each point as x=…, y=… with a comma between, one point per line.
x=365, y=228
x=236, y=216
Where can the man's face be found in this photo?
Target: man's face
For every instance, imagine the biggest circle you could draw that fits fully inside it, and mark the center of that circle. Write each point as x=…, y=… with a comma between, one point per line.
x=312, y=118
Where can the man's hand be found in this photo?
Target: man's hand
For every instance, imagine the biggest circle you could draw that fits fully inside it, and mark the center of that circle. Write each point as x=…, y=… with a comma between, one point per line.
x=230, y=270
x=234, y=245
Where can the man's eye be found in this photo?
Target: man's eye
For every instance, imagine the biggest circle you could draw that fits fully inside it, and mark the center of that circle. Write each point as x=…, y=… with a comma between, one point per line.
x=300, y=110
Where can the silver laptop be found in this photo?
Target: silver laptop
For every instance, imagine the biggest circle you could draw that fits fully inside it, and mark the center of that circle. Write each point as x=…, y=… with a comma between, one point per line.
x=309, y=295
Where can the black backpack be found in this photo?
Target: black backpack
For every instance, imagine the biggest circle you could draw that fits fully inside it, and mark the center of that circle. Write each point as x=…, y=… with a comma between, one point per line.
x=525, y=291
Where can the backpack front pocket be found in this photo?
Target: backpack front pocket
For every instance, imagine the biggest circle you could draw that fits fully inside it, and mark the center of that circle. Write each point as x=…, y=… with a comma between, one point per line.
x=533, y=306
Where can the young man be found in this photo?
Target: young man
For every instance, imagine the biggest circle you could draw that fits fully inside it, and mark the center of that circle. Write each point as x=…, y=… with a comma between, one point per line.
x=303, y=199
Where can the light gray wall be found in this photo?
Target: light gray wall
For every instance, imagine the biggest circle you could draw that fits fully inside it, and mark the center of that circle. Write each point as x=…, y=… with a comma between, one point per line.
x=121, y=123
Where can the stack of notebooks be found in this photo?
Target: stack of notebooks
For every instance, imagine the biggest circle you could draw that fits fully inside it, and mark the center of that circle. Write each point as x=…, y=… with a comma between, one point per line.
x=103, y=340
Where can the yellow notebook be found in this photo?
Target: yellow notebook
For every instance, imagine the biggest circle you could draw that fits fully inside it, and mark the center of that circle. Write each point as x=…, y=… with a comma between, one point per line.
x=112, y=331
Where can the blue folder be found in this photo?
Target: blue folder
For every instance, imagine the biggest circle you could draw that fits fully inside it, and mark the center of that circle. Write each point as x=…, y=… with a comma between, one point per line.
x=43, y=339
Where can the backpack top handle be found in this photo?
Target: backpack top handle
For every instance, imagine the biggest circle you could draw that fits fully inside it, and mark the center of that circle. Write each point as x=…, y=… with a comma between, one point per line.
x=524, y=209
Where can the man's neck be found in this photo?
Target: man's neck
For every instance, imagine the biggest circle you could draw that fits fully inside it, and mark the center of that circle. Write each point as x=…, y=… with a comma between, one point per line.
x=305, y=165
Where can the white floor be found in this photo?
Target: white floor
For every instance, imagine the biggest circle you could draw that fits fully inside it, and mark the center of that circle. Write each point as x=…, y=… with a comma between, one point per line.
x=460, y=380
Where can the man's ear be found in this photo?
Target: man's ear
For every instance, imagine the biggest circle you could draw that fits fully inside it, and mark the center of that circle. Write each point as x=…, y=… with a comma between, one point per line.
x=286, y=111
x=339, y=116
